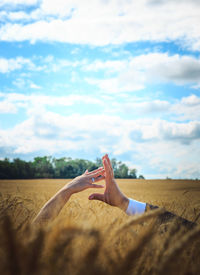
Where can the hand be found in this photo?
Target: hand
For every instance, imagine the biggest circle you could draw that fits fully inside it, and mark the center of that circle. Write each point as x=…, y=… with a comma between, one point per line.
x=112, y=195
x=52, y=208
x=87, y=180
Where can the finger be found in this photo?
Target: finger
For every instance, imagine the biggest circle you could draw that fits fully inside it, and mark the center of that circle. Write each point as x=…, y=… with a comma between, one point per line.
x=96, y=185
x=102, y=177
x=95, y=196
x=106, y=167
x=94, y=171
x=109, y=163
x=107, y=170
x=95, y=175
x=86, y=171
x=97, y=178
x=103, y=157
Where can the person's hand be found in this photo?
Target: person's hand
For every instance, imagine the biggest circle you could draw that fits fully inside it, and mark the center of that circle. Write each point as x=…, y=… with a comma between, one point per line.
x=87, y=180
x=112, y=195
x=52, y=208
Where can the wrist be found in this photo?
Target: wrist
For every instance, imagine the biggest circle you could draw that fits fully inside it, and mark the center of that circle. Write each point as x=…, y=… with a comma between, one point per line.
x=124, y=203
x=68, y=189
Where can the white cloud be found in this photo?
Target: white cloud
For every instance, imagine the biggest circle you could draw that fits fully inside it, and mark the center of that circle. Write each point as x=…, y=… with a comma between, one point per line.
x=119, y=84
x=62, y=8
x=18, y=2
x=171, y=148
x=14, y=16
x=187, y=108
x=7, y=107
x=109, y=22
x=121, y=75
x=110, y=65
x=138, y=107
x=178, y=69
x=191, y=100
x=133, y=74
x=158, y=143
x=182, y=132
x=34, y=86
x=29, y=102
x=45, y=64
x=8, y=65
x=169, y=159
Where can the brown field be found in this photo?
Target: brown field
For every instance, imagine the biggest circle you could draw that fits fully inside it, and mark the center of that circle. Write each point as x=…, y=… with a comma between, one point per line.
x=90, y=237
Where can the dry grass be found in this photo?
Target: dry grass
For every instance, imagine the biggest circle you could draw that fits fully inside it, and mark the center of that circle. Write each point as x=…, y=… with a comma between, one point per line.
x=89, y=237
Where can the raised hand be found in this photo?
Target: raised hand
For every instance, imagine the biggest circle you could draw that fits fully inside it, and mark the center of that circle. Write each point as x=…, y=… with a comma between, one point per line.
x=112, y=195
x=87, y=180
x=52, y=208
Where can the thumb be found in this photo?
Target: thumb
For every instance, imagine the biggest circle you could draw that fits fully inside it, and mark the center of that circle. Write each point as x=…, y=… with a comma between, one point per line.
x=96, y=196
x=86, y=171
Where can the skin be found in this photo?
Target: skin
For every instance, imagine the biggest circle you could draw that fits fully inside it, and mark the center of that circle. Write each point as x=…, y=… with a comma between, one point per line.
x=53, y=207
x=112, y=195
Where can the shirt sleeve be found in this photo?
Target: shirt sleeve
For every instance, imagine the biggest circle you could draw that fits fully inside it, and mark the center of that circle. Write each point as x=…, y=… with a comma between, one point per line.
x=135, y=207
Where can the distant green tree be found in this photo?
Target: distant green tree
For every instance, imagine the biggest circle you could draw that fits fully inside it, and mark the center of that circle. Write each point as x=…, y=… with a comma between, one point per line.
x=114, y=166
x=21, y=169
x=5, y=169
x=98, y=162
x=48, y=167
x=122, y=170
x=59, y=166
x=141, y=177
x=43, y=167
x=133, y=173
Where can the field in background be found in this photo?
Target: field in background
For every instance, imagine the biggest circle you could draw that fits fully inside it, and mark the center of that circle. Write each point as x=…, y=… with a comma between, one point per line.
x=180, y=196
x=102, y=239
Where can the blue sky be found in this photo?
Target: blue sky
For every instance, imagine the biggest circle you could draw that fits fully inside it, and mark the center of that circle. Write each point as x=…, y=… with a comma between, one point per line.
x=85, y=78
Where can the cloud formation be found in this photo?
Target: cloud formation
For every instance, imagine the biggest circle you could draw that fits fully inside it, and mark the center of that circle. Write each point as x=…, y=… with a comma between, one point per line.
x=14, y=3
x=8, y=65
x=149, y=139
x=153, y=141
x=103, y=22
x=122, y=75
x=135, y=73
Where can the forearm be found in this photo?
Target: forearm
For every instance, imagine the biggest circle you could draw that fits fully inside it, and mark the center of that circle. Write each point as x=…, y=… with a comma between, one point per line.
x=169, y=216
x=136, y=207
x=53, y=207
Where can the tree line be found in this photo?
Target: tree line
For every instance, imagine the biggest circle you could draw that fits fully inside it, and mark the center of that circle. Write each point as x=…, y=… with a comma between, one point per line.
x=49, y=167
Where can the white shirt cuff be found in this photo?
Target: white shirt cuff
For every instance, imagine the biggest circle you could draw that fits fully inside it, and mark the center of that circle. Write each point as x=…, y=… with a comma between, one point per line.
x=135, y=207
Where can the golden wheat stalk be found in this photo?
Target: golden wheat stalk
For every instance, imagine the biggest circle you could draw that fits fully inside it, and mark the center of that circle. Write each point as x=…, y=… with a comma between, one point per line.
x=178, y=247
x=135, y=253
x=142, y=218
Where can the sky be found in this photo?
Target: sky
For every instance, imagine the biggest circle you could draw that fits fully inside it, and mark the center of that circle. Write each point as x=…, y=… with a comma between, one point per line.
x=83, y=78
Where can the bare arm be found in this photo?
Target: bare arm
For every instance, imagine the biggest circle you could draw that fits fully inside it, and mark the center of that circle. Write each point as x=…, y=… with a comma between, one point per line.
x=114, y=197
x=53, y=207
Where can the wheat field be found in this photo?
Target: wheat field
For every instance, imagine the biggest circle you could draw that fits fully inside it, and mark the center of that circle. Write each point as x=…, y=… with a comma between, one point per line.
x=89, y=237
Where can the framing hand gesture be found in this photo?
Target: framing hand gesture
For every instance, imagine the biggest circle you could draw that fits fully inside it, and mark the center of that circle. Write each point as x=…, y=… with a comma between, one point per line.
x=112, y=195
x=52, y=208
